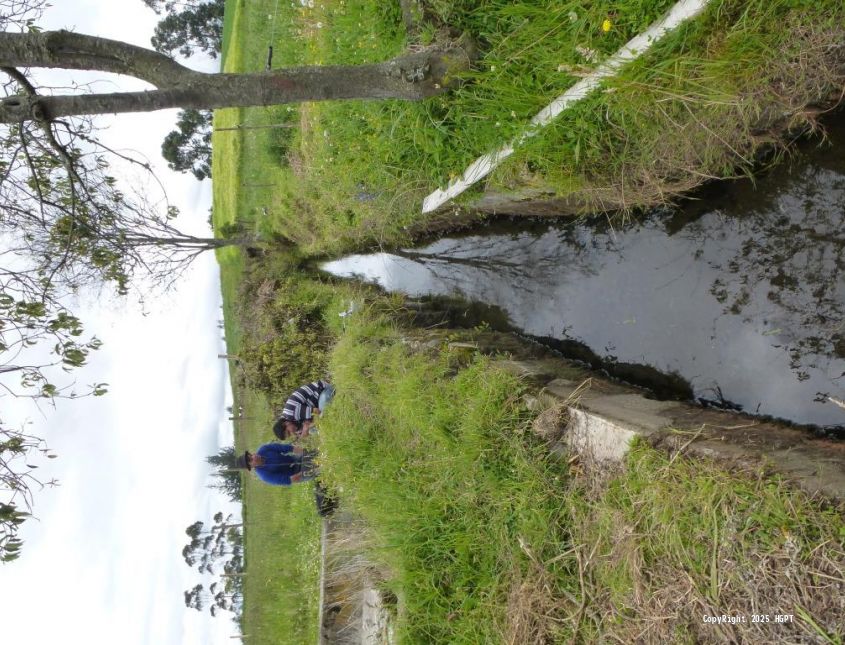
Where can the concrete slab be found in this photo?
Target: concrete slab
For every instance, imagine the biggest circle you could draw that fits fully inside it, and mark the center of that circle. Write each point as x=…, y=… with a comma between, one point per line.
x=538, y=370
x=596, y=438
x=631, y=410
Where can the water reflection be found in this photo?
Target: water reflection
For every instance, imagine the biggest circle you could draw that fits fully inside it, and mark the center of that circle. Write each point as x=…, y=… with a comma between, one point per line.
x=741, y=293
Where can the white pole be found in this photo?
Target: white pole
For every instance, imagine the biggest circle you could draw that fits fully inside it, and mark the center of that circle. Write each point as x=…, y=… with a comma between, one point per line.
x=636, y=47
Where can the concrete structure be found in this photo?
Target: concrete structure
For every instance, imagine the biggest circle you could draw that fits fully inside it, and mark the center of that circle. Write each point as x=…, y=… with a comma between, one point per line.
x=598, y=420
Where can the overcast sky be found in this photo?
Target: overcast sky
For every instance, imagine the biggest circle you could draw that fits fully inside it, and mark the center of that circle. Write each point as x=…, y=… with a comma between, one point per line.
x=102, y=564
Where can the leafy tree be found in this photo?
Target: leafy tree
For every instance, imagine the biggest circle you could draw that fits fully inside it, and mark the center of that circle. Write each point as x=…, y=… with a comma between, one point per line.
x=188, y=26
x=188, y=148
x=221, y=544
x=216, y=598
x=68, y=224
x=16, y=481
x=65, y=224
x=194, y=598
x=228, y=476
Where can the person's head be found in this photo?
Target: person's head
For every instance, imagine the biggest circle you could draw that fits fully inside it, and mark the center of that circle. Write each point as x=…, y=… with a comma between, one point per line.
x=285, y=429
x=249, y=460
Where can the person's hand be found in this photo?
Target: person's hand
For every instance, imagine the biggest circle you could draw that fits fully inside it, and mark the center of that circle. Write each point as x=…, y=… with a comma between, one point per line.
x=297, y=450
x=306, y=426
x=295, y=478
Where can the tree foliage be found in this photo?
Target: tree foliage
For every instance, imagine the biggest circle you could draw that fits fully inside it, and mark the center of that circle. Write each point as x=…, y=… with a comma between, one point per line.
x=216, y=550
x=66, y=224
x=228, y=476
x=16, y=482
x=188, y=147
x=188, y=27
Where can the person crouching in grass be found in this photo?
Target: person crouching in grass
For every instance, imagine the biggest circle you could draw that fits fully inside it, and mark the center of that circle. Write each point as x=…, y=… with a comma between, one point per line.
x=298, y=415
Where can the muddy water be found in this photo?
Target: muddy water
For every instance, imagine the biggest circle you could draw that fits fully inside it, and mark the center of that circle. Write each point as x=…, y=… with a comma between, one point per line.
x=740, y=293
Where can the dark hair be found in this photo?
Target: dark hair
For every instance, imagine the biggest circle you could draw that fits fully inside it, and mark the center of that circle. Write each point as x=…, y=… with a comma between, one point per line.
x=243, y=460
x=279, y=428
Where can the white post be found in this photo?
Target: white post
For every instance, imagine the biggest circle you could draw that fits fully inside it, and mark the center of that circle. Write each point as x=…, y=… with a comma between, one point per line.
x=636, y=47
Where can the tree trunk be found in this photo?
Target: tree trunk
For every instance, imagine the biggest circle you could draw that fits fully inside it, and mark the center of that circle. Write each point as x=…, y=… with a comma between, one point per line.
x=411, y=77
x=186, y=242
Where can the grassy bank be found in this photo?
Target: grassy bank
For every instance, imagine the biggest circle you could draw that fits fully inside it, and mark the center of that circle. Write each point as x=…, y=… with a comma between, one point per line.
x=487, y=539
x=275, y=325
x=479, y=536
x=353, y=173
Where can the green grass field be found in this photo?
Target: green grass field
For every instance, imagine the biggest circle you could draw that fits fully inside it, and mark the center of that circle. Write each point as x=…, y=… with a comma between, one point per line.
x=282, y=547
x=282, y=529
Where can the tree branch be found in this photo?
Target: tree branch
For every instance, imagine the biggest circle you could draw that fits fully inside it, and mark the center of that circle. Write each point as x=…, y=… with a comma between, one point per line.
x=68, y=50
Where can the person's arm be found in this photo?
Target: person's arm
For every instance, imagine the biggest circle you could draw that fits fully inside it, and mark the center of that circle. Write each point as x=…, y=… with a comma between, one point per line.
x=273, y=478
x=275, y=449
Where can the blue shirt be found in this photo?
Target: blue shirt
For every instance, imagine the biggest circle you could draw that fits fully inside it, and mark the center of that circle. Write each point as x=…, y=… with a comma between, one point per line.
x=279, y=464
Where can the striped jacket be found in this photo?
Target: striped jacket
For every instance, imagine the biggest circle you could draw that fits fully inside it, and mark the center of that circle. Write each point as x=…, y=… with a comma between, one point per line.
x=303, y=400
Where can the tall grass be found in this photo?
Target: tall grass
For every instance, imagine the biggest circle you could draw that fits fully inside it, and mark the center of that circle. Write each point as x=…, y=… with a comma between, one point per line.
x=352, y=174
x=485, y=538
x=440, y=467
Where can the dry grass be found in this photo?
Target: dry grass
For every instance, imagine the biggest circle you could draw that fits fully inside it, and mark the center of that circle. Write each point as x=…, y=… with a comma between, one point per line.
x=662, y=545
x=348, y=573
x=532, y=609
x=695, y=541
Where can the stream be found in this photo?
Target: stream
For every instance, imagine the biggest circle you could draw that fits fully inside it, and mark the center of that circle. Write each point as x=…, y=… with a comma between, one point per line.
x=737, y=295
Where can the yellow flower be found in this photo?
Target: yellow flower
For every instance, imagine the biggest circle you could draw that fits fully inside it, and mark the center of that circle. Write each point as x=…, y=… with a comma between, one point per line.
x=606, y=25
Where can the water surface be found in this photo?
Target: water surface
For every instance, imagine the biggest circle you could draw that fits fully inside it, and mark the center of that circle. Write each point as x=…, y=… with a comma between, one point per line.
x=740, y=292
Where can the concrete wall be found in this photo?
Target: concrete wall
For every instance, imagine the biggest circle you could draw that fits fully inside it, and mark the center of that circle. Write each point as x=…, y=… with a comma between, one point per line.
x=599, y=419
